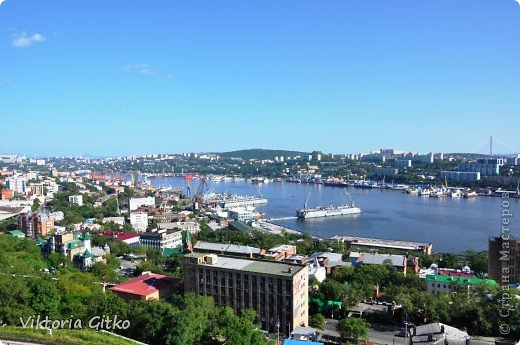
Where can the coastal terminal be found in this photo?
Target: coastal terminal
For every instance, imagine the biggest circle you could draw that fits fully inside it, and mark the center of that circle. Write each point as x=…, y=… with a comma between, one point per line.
x=352, y=241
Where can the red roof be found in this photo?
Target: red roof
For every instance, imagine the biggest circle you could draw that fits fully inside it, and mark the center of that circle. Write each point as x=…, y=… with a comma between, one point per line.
x=454, y=273
x=118, y=235
x=143, y=285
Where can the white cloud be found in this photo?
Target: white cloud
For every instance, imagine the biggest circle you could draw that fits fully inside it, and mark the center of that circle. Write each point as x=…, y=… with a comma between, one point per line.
x=518, y=2
x=140, y=68
x=23, y=40
x=1, y=2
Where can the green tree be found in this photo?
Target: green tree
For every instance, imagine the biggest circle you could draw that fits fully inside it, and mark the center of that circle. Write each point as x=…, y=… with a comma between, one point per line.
x=45, y=298
x=353, y=330
x=36, y=205
x=317, y=321
x=449, y=260
x=333, y=291
x=14, y=299
x=477, y=261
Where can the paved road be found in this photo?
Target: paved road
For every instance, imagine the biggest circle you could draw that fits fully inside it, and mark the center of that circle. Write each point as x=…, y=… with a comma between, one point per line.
x=128, y=267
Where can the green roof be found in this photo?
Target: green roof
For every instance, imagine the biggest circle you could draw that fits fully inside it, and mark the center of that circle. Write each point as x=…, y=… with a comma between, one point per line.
x=321, y=304
x=458, y=280
x=16, y=233
x=170, y=251
x=73, y=244
x=240, y=226
x=87, y=254
x=39, y=240
x=86, y=236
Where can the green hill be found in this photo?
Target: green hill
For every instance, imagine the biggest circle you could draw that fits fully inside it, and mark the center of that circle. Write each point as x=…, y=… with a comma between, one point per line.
x=261, y=154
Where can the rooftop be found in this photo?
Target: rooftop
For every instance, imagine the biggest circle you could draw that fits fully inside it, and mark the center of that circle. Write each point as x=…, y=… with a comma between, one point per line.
x=449, y=279
x=143, y=285
x=226, y=248
x=240, y=226
x=364, y=241
x=439, y=332
x=254, y=266
x=300, y=342
x=380, y=259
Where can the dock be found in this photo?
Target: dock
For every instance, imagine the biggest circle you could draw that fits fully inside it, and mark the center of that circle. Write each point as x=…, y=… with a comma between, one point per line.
x=267, y=226
x=280, y=218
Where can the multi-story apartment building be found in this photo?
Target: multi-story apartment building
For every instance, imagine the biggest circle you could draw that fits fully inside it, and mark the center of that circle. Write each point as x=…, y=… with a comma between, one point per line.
x=277, y=291
x=76, y=200
x=486, y=167
x=504, y=260
x=17, y=184
x=139, y=221
x=161, y=239
x=191, y=226
x=36, y=224
x=460, y=175
x=37, y=189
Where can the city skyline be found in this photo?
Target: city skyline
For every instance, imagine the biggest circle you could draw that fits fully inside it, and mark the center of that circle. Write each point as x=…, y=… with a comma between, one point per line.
x=126, y=78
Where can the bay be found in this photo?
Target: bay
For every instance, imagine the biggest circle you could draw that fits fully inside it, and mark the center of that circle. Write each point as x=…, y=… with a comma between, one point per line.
x=451, y=225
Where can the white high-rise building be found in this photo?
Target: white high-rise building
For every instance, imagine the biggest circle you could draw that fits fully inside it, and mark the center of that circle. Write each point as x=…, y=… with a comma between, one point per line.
x=76, y=200
x=139, y=221
x=16, y=183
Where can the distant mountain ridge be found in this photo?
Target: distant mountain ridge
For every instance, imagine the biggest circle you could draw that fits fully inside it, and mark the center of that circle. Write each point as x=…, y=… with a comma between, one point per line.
x=261, y=154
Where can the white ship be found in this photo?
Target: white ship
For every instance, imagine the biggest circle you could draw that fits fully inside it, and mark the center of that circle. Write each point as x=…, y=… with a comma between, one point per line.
x=230, y=201
x=327, y=211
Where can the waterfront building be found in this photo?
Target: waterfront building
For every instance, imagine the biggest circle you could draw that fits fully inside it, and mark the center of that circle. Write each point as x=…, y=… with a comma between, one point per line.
x=458, y=176
x=139, y=221
x=374, y=243
x=485, y=166
x=437, y=284
x=241, y=214
x=135, y=203
x=277, y=291
x=385, y=171
x=504, y=260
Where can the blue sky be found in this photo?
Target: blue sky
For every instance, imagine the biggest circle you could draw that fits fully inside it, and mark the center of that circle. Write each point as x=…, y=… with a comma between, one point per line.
x=122, y=77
